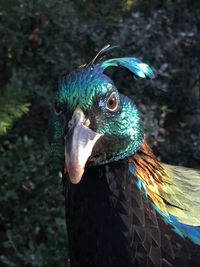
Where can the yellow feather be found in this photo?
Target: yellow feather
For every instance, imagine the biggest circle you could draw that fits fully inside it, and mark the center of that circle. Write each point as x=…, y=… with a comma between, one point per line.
x=174, y=190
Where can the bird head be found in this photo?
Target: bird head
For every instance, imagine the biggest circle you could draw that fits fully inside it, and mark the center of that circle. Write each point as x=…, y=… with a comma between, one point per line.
x=93, y=123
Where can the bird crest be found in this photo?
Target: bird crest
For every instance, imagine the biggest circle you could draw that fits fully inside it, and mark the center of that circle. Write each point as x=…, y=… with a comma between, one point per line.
x=89, y=79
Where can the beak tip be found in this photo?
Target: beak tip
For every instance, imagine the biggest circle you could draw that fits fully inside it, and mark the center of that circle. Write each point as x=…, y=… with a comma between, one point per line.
x=75, y=174
x=74, y=181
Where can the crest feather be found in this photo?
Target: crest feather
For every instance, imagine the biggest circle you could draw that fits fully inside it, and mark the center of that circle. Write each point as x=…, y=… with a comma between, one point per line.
x=137, y=67
x=105, y=49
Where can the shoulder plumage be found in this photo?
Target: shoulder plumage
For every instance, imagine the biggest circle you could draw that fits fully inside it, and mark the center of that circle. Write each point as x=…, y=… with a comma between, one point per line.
x=173, y=190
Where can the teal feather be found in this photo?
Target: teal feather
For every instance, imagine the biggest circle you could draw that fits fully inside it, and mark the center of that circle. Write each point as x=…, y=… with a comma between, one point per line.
x=137, y=67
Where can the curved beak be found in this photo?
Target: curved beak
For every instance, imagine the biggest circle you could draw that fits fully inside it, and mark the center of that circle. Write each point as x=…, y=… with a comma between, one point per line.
x=79, y=143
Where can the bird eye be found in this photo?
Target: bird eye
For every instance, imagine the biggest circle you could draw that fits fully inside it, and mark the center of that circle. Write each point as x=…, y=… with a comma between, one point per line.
x=112, y=102
x=58, y=108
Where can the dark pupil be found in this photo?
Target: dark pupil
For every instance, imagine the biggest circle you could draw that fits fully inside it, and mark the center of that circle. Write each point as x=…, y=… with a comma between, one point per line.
x=112, y=102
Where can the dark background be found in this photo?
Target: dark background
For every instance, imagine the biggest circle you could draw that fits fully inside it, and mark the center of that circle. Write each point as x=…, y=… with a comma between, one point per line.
x=42, y=39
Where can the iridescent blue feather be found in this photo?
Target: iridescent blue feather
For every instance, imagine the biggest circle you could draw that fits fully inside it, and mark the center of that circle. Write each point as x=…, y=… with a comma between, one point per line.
x=184, y=230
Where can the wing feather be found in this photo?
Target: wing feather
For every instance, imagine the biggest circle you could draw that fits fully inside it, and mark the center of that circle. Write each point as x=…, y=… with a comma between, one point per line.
x=183, y=191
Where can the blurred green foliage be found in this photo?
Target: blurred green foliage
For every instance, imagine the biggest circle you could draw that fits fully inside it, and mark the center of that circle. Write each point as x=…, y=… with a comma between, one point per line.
x=30, y=206
x=12, y=105
x=41, y=40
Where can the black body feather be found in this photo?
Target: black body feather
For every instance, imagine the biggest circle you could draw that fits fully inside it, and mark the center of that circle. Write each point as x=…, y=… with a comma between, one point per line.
x=111, y=223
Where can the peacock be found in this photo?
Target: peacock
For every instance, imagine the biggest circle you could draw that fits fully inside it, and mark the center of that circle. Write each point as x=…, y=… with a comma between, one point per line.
x=124, y=207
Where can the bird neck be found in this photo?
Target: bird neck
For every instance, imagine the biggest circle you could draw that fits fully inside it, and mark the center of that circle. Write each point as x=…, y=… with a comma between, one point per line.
x=151, y=175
